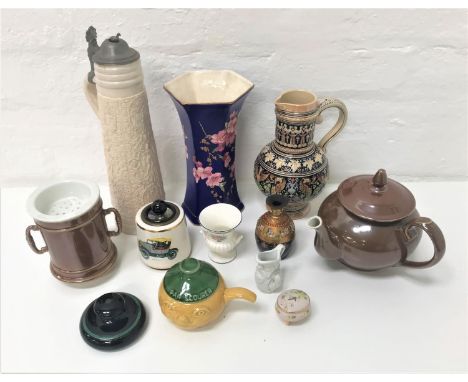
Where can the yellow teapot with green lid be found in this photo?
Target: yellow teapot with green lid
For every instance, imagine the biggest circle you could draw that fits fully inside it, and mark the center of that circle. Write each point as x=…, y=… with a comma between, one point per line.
x=193, y=294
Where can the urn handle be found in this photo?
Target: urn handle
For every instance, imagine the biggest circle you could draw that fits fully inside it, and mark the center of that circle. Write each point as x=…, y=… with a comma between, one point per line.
x=340, y=123
x=118, y=220
x=435, y=234
x=31, y=242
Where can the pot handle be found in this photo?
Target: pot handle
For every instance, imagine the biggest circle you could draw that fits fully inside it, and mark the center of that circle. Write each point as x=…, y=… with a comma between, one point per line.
x=239, y=293
x=340, y=123
x=118, y=220
x=434, y=232
x=32, y=243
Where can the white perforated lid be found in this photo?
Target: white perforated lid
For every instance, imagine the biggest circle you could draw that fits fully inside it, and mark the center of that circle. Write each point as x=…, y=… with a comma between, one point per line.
x=61, y=201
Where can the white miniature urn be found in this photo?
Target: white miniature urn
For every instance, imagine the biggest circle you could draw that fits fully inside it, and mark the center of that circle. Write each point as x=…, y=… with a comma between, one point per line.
x=218, y=223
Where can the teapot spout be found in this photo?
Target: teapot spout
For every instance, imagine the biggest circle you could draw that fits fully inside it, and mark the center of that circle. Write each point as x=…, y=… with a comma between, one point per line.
x=315, y=222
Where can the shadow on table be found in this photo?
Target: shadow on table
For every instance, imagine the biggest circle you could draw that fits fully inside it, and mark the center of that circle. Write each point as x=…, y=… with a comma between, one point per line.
x=417, y=276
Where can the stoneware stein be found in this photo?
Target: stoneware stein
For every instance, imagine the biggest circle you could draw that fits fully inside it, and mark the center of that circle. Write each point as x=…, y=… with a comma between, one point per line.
x=294, y=165
x=162, y=234
x=218, y=223
x=70, y=217
x=268, y=273
x=116, y=92
x=209, y=103
x=193, y=294
x=371, y=222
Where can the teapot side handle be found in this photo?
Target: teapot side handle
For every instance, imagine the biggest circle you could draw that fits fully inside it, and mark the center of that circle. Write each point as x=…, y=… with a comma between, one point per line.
x=434, y=233
x=239, y=293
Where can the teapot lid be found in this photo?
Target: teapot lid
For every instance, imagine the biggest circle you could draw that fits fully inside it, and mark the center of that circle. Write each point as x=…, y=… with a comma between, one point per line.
x=112, y=321
x=115, y=51
x=191, y=280
x=376, y=197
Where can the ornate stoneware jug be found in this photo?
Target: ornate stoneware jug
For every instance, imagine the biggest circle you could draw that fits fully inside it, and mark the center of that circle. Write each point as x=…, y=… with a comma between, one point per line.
x=116, y=92
x=293, y=165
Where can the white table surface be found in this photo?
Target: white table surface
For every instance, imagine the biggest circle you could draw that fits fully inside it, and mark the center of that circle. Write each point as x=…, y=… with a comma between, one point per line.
x=396, y=320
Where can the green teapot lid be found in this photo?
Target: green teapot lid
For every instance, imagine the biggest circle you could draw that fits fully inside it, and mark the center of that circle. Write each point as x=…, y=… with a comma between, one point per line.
x=191, y=280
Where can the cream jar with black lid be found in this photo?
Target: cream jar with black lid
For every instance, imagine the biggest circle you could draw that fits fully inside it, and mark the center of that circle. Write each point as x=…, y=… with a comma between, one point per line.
x=162, y=233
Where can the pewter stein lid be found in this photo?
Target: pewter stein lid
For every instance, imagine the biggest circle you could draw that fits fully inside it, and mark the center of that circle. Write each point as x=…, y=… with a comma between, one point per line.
x=376, y=198
x=160, y=212
x=115, y=51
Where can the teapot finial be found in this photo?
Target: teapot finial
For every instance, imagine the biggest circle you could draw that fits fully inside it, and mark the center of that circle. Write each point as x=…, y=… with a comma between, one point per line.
x=380, y=178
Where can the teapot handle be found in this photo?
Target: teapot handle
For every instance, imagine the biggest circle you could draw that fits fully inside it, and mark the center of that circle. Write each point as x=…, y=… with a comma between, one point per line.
x=340, y=123
x=435, y=234
x=239, y=293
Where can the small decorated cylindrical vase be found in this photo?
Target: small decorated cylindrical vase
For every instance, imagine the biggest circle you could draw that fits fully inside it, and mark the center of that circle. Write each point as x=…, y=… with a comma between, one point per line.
x=208, y=103
x=163, y=238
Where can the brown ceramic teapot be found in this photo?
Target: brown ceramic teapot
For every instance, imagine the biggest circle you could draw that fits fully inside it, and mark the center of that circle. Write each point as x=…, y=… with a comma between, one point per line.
x=371, y=223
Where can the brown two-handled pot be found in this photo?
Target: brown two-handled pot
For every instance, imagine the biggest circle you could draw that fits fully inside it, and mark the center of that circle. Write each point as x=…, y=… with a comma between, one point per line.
x=71, y=220
x=371, y=222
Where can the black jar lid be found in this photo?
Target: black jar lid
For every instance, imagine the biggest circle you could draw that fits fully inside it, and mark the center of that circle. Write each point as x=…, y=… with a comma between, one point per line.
x=112, y=321
x=115, y=51
x=160, y=212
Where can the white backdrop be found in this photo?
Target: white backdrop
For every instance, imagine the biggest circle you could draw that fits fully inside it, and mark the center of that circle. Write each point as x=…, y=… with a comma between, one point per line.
x=402, y=74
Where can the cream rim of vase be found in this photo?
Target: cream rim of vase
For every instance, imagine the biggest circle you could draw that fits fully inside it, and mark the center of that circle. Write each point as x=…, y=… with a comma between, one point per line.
x=297, y=101
x=57, y=202
x=220, y=218
x=208, y=87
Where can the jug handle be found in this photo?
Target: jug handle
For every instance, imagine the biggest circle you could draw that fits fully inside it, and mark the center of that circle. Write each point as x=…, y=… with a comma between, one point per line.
x=118, y=220
x=239, y=293
x=91, y=95
x=435, y=234
x=31, y=242
x=340, y=123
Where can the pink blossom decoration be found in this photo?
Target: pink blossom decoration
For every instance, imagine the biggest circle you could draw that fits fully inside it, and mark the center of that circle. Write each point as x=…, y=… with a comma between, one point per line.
x=201, y=173
x=214, y=180
x=227, y=159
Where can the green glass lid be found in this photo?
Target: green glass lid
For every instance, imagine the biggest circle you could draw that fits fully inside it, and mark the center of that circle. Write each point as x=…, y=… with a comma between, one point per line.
x=191, y=280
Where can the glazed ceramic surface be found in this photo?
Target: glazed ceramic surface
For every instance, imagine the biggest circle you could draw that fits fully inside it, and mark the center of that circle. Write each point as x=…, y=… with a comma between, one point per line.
x=162, y=234
x=218, y=223
x=293, y=165
x=275, y=226
x=268, y=273
x=292, y=306
x=208, y=103
x=112, y=321
x=117, y=95
x=371, y=223
x=193, y=294
x=71, y=220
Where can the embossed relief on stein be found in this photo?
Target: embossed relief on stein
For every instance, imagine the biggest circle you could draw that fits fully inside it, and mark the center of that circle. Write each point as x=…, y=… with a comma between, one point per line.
x=293, y=165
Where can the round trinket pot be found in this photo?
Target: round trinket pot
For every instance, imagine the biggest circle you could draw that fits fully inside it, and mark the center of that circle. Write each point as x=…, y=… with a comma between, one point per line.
x=292, y=305
x=275, y=226
x=163, y=238
x=112, y=321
